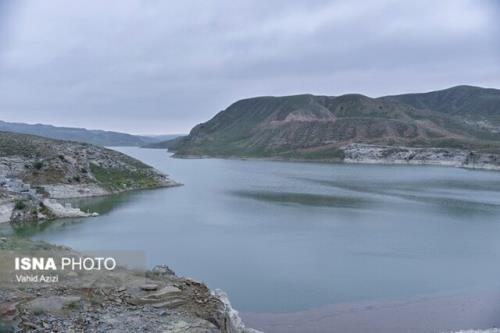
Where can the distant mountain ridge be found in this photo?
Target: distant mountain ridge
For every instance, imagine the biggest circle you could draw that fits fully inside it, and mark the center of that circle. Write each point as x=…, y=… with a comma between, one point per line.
x=165, y=144
x=96, y=137
x=319, y=127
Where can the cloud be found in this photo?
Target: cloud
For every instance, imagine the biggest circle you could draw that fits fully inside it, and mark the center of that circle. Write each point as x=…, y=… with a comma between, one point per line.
x=156, y=66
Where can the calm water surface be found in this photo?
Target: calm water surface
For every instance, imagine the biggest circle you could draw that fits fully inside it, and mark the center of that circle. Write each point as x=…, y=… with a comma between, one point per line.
x=283, y=236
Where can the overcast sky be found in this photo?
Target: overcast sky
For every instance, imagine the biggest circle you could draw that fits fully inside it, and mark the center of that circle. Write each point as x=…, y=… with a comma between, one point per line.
x=163, y=66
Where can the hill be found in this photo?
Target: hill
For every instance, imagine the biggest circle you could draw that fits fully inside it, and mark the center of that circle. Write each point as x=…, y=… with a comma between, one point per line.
x=50, y=163
x=323, y=127
x=34, y=171
x=96, y=137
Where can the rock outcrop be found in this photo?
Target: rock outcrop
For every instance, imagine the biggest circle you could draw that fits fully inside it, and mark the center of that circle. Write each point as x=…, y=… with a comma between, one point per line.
x=118, y=301
x=361, y=153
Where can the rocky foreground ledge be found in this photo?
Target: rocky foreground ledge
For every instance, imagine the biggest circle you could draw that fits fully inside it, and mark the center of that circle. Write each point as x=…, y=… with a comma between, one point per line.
x=121, y=300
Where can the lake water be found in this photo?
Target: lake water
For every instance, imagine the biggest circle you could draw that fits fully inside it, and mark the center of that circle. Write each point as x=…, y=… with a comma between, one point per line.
x=280, y=237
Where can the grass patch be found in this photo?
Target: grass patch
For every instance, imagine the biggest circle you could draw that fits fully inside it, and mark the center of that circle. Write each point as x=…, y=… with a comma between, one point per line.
x=114, y=179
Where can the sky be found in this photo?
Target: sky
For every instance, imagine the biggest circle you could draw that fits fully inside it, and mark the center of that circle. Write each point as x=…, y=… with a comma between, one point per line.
x=157, y=67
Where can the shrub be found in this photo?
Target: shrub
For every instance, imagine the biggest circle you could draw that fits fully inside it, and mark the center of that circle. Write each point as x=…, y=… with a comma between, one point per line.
x=20, y=205
x=38, y=165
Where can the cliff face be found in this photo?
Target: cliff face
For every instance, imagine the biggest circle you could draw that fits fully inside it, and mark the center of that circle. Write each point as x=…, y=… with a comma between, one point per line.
x=319, y=127
x=33, y=169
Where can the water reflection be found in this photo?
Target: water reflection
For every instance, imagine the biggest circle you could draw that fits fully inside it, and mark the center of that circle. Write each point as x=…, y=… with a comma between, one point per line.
x=307, y=199
x=101, y=205
x=436, y=194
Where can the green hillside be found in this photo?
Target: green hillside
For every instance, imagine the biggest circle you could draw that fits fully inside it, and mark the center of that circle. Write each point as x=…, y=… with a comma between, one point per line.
x=317, y=127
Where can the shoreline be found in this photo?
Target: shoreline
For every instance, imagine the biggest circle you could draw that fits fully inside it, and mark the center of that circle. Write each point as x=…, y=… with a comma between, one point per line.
x=431, y=313
x=171, y=183
x=61, y=192
x=337, y=162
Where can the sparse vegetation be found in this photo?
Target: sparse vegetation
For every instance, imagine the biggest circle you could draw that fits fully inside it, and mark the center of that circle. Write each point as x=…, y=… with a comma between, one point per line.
x=307, y=126
x=115, y=179
x=46, y=162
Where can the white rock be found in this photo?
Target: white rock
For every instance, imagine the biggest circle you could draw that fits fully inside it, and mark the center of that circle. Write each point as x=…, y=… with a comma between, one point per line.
x=74, y=191
x=60, y=211
x=6, y=209
x=233, y=315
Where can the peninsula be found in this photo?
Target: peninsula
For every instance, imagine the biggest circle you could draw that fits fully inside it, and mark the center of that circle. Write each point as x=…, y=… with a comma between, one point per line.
x=35, y=172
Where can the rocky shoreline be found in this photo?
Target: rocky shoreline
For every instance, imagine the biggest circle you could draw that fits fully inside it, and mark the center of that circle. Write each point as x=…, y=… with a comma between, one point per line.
x=376, y=154
x=122, y=300
x=357, y=153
